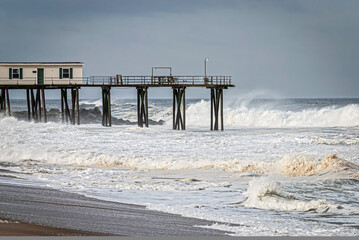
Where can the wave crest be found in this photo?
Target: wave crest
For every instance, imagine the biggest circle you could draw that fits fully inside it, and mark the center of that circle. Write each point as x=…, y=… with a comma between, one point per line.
x=302, y=166
x=266, y=193
x=265, y=116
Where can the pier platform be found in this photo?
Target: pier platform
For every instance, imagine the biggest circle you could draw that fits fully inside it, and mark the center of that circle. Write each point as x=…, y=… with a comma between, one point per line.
x=36, y=101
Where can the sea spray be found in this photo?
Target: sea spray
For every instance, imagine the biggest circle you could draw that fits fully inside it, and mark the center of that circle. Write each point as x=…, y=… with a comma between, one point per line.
x=265, y=116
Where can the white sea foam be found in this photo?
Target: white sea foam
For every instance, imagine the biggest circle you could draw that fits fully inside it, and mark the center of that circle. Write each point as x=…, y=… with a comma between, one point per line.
x=266, y=193
x=330, y=166
x=288, y=181
x=96, y=103
x=265, y=116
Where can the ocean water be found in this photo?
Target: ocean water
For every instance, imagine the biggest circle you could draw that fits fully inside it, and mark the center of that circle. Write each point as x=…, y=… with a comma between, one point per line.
x=281, y=167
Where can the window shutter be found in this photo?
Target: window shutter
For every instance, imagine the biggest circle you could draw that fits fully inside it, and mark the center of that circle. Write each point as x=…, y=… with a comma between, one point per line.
x=10, y=73
x=71, y=73
x=60, y=73
x=20, y=73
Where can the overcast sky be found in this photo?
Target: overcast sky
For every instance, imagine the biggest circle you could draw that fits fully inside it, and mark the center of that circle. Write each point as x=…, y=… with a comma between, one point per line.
x=283, y=47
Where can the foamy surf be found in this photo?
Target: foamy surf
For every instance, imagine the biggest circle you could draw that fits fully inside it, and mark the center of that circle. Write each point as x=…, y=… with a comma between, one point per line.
x=271, y=172
x=268, y=116
x=303, y=166
x=266, y=193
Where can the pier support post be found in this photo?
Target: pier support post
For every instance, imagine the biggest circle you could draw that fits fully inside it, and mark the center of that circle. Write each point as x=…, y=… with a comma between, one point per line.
x=65, y=110
x=75, y=106
x=34, y=104
x=106, y=106
x=216, y=107
x=142, y=106
x=8, y=101
x=28, y=104
x=38, y=103
x=78, y=105
x=5, y=100
x=2, y=100
x=74, y=114
x=43, y=104
x=179, y=117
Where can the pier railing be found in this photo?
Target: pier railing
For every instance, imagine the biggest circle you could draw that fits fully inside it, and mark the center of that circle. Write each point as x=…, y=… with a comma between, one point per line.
x=120, y=80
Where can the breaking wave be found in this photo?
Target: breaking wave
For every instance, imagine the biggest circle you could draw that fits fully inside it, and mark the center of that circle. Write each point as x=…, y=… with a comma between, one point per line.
x=265, y=116
x=301, y=166
x=266, y=193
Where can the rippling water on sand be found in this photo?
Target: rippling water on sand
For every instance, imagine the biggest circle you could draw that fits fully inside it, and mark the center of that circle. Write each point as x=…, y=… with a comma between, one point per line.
x=281, y=167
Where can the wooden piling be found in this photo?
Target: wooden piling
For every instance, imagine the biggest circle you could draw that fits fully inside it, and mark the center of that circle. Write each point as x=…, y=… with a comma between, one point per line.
x=184, y=109
x=62, y=106
x=8, y=101
x=106, y=107
x=73, y=101
x=142, y=106
x=3, y=100
x=179, y=117
x=28, y=104
x=43, y=104
x=146, y=107
x=216, y=108
x=66, y=114
x=78, y=106
x=33, y=104
x=38, y=101
x=222, y=124
x=139, y=119
x=212, y=97
x=67, y=109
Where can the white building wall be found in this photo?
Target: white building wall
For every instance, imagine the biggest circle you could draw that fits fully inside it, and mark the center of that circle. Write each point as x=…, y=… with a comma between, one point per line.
x=51, y=74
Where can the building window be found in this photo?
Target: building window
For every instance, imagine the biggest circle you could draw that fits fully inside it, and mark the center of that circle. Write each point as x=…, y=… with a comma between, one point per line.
x=66, y=73
x=15, y=73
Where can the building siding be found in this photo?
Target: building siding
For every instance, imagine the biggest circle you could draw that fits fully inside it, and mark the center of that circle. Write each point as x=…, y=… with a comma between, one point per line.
x=51, y=74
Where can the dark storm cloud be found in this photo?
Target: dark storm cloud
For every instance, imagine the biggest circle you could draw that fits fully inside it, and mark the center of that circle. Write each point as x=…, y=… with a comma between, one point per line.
x=83, y=8
x=296, y=48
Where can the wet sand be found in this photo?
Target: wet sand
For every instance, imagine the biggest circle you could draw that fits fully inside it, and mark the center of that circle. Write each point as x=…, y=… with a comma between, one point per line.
x=26, y=229
x=72, y=214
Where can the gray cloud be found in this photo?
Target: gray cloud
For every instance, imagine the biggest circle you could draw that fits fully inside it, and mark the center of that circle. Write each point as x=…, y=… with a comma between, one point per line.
x=296, y=48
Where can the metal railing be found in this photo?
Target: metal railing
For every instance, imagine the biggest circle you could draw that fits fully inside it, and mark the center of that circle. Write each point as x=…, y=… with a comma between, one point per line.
x=158, y=80
x=120, y=80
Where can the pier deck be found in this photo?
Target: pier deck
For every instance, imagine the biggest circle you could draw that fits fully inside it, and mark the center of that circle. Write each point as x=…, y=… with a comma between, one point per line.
x=124, y=81
x=36, y=102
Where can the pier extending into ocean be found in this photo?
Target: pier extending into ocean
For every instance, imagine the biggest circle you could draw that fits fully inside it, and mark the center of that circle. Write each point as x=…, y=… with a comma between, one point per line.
x=70, y=112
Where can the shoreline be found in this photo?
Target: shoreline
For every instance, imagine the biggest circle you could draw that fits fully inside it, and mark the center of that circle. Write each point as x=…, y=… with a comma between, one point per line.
x=48, y=212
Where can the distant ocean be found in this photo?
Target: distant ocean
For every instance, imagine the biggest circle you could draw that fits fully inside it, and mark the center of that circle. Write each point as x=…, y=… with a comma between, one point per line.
x=281, y=167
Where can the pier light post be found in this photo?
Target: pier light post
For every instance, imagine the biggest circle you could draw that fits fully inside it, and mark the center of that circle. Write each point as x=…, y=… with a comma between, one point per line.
x=205, y=67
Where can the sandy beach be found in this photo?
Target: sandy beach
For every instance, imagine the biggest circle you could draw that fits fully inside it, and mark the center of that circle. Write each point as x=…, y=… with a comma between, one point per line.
x=8, y=228
x=29, y=211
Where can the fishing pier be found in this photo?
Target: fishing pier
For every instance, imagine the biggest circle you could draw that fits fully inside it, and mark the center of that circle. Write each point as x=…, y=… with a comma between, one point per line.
x=69, y=86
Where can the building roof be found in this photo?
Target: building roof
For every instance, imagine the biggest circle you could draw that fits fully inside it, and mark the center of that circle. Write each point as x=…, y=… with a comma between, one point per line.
x=41, y=63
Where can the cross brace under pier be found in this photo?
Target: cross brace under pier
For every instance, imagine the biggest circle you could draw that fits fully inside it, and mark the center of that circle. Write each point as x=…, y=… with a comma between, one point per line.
x=106, y=107
x=179, y=102
x=142, y=106
x=216, y=105
x=72, y=114
x=36, y=104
